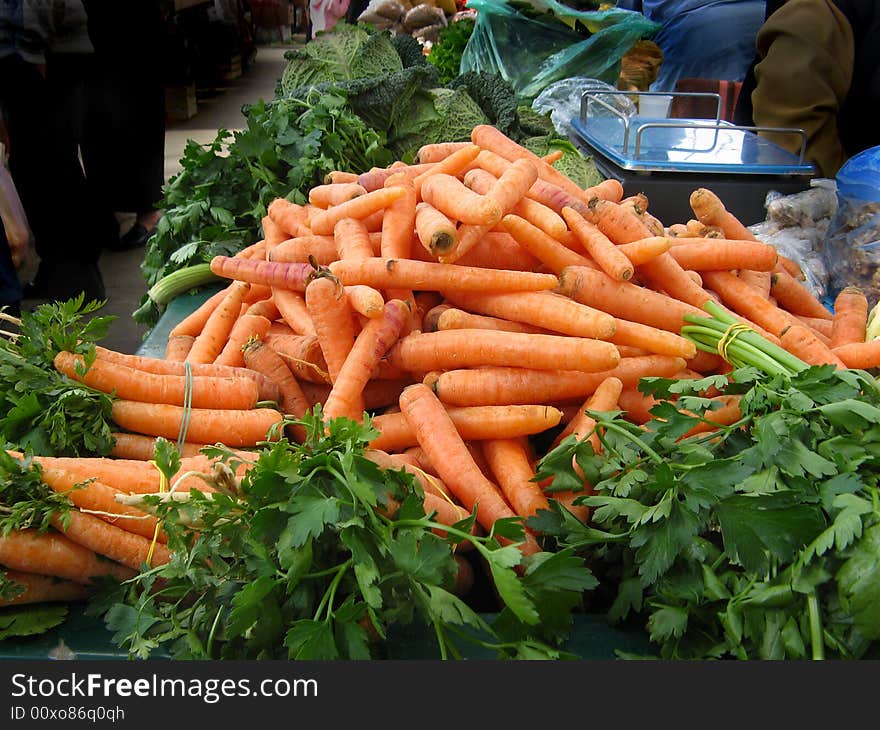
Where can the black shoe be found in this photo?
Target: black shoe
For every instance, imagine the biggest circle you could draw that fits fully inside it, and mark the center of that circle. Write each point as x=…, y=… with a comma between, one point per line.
x=136, y=237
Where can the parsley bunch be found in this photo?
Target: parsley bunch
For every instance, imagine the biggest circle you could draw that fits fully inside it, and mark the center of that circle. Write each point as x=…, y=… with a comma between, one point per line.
x=755, y=540
x=318, y=554
x=41, y=409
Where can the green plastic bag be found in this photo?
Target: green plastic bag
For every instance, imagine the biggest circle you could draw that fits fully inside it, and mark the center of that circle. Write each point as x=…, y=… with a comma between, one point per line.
x=531, y=53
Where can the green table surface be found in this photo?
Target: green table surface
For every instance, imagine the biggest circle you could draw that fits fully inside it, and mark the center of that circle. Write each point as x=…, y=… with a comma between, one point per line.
x=85, y=637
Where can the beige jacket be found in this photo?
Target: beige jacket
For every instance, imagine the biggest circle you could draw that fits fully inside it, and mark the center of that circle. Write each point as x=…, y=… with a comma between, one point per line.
x=807, y=53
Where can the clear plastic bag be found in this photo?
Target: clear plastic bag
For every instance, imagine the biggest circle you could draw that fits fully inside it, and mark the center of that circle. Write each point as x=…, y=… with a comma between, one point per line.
x=18, y=232
x=531, y=53
x=563, y=100
x=852, y=243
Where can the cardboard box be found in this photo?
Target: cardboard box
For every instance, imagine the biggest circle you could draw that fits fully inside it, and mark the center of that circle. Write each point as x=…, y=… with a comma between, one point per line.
x=180, y=102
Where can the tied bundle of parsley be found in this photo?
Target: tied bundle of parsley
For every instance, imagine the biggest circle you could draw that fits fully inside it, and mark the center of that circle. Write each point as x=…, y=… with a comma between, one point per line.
x=319, y=554
x=757, y=540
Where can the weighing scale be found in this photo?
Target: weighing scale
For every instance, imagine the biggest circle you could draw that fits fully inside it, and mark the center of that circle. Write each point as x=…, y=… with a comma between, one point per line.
x=667, y=159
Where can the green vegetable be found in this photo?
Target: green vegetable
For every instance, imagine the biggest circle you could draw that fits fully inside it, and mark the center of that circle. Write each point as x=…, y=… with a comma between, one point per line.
x=446, y=53
x=179, y=282
x=346, y=52
x=754, y=541
x=40, y=408
x=215, y=205
x=580, y=169
x=299, y=563
x=30, y=620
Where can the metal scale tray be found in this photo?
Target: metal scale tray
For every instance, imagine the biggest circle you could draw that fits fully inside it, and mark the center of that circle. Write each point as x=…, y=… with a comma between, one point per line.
x=668, y=158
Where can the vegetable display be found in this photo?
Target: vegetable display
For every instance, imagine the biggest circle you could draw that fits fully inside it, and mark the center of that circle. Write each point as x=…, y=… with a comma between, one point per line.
x=475, y=396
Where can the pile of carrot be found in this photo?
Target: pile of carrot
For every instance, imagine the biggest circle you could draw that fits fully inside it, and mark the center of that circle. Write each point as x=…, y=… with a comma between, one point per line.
x=468, y=301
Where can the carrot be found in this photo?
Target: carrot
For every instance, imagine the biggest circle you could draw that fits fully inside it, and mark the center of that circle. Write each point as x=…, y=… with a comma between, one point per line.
x=711, y=212
x=449, y=195
x=138, y=446
x=51, y=553
x=824, y=327
x=474, y=423
x=270, y=273
x=546, y=310
x=340, y=176
x=743, y=299
x=652, y=339
x=130, y=384
x=556, y=198
x=625, y=300
x=366, y=300
x=352, y=239
x=510, y=465
x=421, y=275
x=726, y=414
x=431, y=320
x=292, y=218
x=112, y=542
x=644, y=250
x=178, y=346
x=333, y=322
x=425, y=301
x=256, y=250
x=273, y=234
x=499, y=250
x=638, y=203
x=264, y=359
x=705, y=362
x=457, y=319
x=303, y=356
x=794, y=297
x=303, y=249
x=193, y=323
x=611, y=189
x=508, y=386
x=42, y=589
x=396, y=462
x=292, y=307
x=553, y=156
x=850, y=317
x=725, y=255
x=445, y=448
x=760, y=280
x=398, y=222
x=205, y=425
x=100, y=497
x=543, y=247
x=860, y=355
x=329, y=194
x=583, y=426
x=452, y=165
x=369, y=347
x=619, y=224
x=267, y=389
x=264, y=308
x=611, y=260
x=247, y=326
x=474, y=348
x=636, y=406
x=435, y=231
x=322, y=222
x=491, y=138
x=377, y=394
x=666, y=274
x=437, y=151
x=374, y=179
x=802, y=342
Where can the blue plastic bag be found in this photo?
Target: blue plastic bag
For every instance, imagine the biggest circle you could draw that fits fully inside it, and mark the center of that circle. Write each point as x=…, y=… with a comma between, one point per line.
x=852, y=244
x=531, y=53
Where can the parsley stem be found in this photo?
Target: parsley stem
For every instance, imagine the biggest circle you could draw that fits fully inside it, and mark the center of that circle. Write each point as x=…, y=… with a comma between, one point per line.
x=611, y=426
x=816, y=640
x=210, y=645
x=326, y=603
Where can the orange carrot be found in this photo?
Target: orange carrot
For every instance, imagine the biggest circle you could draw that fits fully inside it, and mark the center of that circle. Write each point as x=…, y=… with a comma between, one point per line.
x=437, y=151
x=802, y=342
x=510, y=465
x=611, y=189
x=760, y=280
x=398, y=222
x=303, y=356
x=110, y=541
x=447, y=451
x=140, y=447
x=644, y=250
x=499, y=250
x=555, y=198
x=610, y=259
x=451, y=318
x=652, y=339
x=619, y=224
x=436, y=232
x=583, y=426
x=365, y=300
x=665, y=273
x=205, y=425
x=329, y=194
x=273, y=234
x=130, y=384
x=636, y=406
x=374, y=179
x=726, y=414
x=546, y=310
x=543, y=247
x=261, y=357
x=421, y=275
x=42, y=589
x=794, y=297
x=322, y=222
x=369, y=347
x=264, y=308
x=823, y=327
x=625, y=300
x=333, y=322
x=267, y=389
x=508, y=386
x=269, y=273
x=431, y=320
x=292, y=218
x=452, y=165
x=193, y=323
x=725, y=255
x=352, y=239
x=51, y=553
x=178, y=346
x=860, y=355
x=743, y=299
x=475, y=423
x=292, y=307
x=340, y=176
x=711, y=212
x=449, y=195
x=377, y=394
x=473, y=348
x=247, y=326
x=850, y=317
